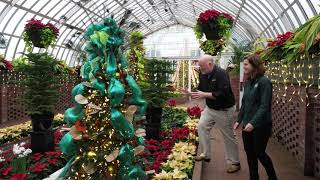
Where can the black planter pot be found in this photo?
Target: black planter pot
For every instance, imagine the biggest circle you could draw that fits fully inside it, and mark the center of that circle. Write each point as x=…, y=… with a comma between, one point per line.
x=35, y=38
x=42, y=122
x=42, y=141
x=42, y=138
x=211, y=32
x=153, y=117
x=153, y=131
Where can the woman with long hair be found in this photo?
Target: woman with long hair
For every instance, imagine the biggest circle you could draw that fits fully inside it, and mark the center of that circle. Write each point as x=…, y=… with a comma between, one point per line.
x=255, y=116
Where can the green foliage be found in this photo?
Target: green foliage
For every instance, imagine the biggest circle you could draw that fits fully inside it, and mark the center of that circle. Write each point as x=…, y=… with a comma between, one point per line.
x=157, y=77
x=240, y=50
x=212, y=47
x=136, y=38
x=41, y=91
x=20, y=63
x=224, y=27
x=173, y=117
x=135, y=56
x=257, y=46
x=198, y=31
x=305, y=41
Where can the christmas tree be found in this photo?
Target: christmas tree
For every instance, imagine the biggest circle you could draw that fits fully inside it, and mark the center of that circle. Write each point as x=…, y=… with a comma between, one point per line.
x=105, y=134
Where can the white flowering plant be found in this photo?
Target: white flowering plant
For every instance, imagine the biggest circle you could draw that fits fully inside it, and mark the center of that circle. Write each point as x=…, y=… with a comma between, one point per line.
x=21, y=158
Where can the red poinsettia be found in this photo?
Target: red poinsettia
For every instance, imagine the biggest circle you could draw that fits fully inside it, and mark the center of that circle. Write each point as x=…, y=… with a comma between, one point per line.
x=37, y=156
x=18, y=177
x=194, y=112
x=210, y=15
x=152, y=147
x=52, y=161
x=5, y=171
x=180, y=133
x=172, y=102
x=280, y=40
x=37, y=24
x=39, y=167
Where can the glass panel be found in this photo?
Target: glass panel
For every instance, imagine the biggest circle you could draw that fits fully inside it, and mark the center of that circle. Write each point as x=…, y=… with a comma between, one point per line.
x=283, y=3
x=299, y=13
x=56, y=8
x=65, y=10
x=21, y=24
x=11, y=47
x=48, y=6
x=264, y=15
x=172, y=41
x=20, y=48
x=282, y=25
x=13, y=21
x=2, y=6
x=292, y=17
x=40, y=4
x=307, y=8
x=268, y=6
x=7, y=18
x=316, y=5
x=29, y=3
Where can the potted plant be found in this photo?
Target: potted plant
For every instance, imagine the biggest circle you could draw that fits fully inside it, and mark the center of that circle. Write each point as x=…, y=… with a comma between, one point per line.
x=39, y=34
x=275, y=48
x=156, y=92
x=40, y=96
x=216, y=27
x=5, y=64
x=305, y=41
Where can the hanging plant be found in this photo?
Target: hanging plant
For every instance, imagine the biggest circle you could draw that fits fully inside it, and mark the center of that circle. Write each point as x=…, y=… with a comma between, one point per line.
x=215, y=26
x=212, y=47
x=306, y=40
x=275, y=48
x=39, y=34
x=5, y=64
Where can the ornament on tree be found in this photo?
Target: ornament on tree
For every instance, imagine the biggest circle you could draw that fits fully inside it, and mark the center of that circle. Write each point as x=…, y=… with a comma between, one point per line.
x=102, y=142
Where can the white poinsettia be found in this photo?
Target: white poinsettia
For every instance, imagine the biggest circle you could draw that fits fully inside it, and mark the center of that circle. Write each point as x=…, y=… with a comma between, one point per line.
x=20, y=151
x=177, y=174
x=163, y=175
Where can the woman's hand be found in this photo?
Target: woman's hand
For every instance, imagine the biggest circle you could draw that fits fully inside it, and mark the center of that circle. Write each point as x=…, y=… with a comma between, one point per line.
x=236, y=125
x=248, y=128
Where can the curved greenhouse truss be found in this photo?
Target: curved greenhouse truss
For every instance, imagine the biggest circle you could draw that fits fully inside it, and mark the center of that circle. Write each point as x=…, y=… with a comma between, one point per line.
x=254, y=18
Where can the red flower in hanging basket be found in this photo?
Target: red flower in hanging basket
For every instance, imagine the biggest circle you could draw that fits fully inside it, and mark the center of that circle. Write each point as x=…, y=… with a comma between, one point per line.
x=280, y=40
x=39, y=34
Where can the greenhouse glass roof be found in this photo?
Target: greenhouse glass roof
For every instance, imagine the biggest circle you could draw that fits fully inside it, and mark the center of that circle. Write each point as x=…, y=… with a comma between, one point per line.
x=254, y=18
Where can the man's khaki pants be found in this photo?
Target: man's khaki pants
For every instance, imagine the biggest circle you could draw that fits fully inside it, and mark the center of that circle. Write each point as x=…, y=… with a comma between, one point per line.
x=224, y=122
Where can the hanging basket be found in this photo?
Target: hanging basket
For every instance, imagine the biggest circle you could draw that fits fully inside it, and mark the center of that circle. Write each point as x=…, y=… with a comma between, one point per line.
x=211, y=34
x=35, y=38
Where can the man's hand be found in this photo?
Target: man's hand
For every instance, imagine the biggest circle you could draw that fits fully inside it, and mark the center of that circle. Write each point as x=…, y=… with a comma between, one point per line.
x=185, y=92
x=236, y=125
x=248, y=128
x=198, y=94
